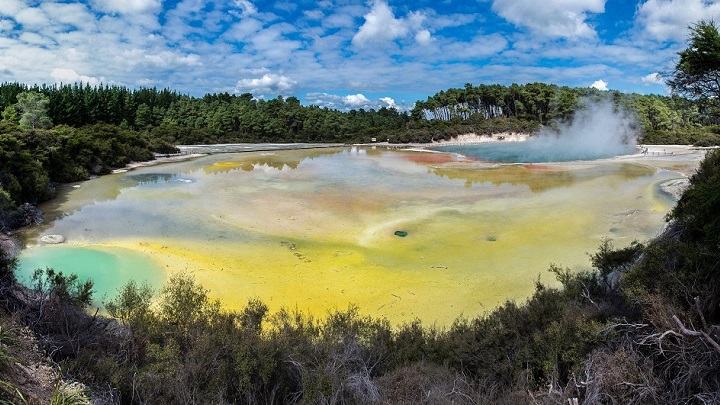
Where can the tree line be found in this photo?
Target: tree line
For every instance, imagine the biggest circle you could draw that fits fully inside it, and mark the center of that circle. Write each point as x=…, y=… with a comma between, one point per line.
x=182, y=119
x=222, y=117
x=496, y=108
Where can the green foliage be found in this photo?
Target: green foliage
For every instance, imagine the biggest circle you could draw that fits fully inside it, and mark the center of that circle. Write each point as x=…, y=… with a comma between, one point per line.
x=607, y=259
x=8, y=265
x=33, y=106
x=697, y=69
x=681, y=265
x=6, y=201
x=698, y=207
x=10, y=115
x=10, y=394
x=67, y=288
x=183, y=304
x=21, y=173
x=6, y=340
x=67, y=394
x=132, y=304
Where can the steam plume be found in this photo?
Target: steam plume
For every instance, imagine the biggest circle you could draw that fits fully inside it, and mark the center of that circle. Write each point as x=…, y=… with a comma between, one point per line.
x=597, y=130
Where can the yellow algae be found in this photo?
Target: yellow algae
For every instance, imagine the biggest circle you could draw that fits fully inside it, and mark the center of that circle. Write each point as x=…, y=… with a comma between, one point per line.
x=317, y=230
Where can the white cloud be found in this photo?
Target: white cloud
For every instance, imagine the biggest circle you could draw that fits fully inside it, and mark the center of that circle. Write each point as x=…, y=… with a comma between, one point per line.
x=423, y=37
x=31, y=16
x=554, y=18
x=127, y=6
x=75, y=14
x=68, y=76
x=269, y=83
x=600, y=85
x=35, y=39
x=286, y=6
x=247, y=7
x=439, y=22
x=11, y=7
x=356, y=100
x=338, y=20
x=380, y=25
x=353, y=102
x=163, y=59
x=669, y=19
x=481, y=46
x=6, y=25
x=653, y=78
x=389, y=101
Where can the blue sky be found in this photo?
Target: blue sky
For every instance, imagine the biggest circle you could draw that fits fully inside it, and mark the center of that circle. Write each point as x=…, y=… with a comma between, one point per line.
x=345, y=54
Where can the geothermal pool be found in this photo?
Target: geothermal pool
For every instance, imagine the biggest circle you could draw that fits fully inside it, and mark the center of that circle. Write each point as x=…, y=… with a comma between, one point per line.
x=316, y=229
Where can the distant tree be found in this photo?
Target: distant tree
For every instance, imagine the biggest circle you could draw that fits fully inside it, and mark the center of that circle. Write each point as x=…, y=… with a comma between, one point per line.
x=697, y=73
x=143, y=116
x=33, y=106
x=10, y=114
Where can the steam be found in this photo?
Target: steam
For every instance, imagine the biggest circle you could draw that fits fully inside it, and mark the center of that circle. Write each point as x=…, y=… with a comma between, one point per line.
x=597, y=130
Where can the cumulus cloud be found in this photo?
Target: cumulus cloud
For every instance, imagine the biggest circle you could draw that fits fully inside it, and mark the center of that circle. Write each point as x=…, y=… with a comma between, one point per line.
x=70, y=76
x=352, y=102
x=553, y=18
x=127, y=6
x=356, y=100
x=423, y=37
x=652, y=78
x=389, y=101
x=12, y=7
x=31, y=16
x=600, y=85
x=381, y=26
x=669, y=19
x=269, y=83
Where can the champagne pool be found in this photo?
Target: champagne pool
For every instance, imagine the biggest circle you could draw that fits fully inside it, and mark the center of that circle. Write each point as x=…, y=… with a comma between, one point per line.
x=404, y=235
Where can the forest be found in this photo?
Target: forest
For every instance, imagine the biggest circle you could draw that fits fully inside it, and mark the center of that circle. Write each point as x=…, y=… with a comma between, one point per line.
x=640, y=325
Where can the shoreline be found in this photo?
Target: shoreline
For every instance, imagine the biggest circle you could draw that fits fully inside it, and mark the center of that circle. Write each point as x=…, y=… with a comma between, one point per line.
x=464, y=139
x=681, y=159
x=189, y=152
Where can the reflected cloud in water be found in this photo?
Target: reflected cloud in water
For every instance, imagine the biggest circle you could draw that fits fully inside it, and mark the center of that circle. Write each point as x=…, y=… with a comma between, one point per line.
x=539, y=178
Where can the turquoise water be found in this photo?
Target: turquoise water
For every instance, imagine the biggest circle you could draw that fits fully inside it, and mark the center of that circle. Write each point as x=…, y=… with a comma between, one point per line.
x=534, y=151
x=108, y=267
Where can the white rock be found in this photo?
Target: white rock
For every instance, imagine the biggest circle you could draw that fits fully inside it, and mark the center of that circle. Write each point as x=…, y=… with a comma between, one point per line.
x=52, y=239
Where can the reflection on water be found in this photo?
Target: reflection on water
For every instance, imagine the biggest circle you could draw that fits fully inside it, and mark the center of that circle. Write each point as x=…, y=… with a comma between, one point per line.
x=286, y=160
x=540, y=177
x=155, y=179
x=318, y=229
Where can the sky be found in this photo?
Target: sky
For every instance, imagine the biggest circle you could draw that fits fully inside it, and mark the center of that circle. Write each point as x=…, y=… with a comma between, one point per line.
x=346, y=54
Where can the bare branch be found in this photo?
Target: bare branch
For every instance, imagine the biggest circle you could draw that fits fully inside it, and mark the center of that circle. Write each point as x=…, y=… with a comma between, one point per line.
x=688, y=332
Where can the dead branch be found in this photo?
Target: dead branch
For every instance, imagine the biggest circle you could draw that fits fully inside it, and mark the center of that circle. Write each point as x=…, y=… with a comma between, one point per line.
x=697, y=308
x=688, y=332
